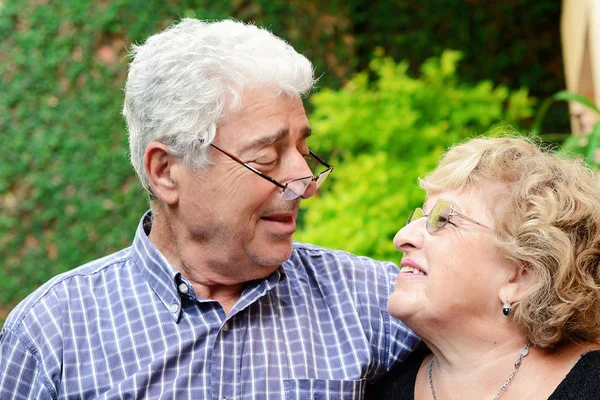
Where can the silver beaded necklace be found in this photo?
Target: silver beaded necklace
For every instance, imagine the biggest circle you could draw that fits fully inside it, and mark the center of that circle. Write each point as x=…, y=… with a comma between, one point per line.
x=522, y=353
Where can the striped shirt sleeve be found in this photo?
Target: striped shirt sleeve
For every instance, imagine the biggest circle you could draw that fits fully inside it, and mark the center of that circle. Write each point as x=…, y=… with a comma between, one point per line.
x=21, y=372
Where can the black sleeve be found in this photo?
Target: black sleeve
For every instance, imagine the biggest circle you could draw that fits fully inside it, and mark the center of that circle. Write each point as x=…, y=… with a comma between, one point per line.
x=399, y=382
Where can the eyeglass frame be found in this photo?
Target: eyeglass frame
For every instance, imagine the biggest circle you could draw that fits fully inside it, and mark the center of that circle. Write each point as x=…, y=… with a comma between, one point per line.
x=283, y=187
x=453, y=213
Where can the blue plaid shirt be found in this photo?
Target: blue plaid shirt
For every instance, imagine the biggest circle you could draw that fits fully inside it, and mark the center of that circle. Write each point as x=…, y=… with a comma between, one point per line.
x=130, y=326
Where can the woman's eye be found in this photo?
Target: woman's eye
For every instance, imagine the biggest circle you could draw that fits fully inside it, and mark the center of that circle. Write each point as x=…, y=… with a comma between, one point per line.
x=440, y=220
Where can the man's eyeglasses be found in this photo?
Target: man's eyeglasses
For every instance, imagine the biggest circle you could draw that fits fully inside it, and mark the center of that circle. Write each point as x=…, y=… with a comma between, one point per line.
x=293, y=189
x=439, y=216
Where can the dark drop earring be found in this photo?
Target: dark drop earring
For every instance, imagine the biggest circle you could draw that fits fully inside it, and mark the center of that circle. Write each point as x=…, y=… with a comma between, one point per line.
x=506, y=308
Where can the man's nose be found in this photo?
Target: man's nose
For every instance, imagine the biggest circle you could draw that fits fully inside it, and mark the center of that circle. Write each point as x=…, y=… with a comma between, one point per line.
x=310, y=190
x=299, y=169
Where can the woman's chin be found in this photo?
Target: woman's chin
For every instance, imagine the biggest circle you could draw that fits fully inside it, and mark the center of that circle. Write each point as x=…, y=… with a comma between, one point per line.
x=410, y=283
x=406, y=302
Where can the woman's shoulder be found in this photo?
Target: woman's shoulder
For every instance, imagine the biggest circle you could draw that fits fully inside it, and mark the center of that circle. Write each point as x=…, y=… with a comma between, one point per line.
x=583, y=381
x=399, y=382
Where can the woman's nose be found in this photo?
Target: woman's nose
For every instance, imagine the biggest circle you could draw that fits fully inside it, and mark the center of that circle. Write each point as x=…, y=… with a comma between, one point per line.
x=410, y=237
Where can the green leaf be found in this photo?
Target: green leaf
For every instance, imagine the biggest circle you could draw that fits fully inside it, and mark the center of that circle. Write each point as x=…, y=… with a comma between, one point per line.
x=593, y=145
x=563, y=95
x=568, y=96
x=572, y=145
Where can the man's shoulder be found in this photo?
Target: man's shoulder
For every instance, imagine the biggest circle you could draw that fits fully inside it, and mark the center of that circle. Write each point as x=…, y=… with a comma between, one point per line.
x=48, y=293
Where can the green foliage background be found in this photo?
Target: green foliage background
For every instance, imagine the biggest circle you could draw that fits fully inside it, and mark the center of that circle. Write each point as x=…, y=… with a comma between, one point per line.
x=68, y=194
x=385, y=133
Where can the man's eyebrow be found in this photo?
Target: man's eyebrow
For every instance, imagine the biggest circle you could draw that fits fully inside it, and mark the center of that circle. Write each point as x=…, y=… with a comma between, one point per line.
x=268, y=140
x=305, y=132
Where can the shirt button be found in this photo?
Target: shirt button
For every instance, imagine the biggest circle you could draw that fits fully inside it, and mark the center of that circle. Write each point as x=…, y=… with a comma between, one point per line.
x=174, y=308
x=183, y=288
x=225, y=326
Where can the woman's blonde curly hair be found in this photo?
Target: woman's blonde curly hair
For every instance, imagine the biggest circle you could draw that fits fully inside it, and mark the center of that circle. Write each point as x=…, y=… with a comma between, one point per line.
x=547, y=220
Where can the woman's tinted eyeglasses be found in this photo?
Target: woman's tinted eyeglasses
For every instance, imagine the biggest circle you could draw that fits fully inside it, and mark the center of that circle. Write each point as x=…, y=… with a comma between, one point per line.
x=440, y=215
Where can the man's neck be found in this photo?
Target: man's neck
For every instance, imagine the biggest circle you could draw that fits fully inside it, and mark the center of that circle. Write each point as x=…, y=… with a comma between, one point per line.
x=210, y=276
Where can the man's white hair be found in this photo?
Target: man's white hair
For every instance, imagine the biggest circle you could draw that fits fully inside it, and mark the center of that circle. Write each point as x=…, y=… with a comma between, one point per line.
x=183, y=81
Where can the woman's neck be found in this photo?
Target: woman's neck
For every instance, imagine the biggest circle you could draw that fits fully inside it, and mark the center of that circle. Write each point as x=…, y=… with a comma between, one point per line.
x=476, y=365
x=472, y=364
x=469, y=344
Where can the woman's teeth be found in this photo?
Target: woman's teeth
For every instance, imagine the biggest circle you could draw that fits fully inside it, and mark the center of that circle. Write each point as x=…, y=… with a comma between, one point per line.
x=411, y=270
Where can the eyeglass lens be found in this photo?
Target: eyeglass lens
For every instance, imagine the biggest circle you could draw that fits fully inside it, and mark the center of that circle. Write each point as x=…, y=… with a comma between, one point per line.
x=295, y=189
x=415, y=215
x=322, y=176
x=437, y=218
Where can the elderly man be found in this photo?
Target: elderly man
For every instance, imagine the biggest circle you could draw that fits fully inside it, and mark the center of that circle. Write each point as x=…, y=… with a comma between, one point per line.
x=213, y=300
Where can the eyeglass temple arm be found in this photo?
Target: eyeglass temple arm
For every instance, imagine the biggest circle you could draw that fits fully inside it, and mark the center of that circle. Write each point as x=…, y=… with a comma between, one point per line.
x=234, y=158
x=319, y=159
x=471, y=220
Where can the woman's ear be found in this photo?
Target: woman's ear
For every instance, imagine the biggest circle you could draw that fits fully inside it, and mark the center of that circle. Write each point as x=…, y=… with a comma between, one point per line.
x=160, y=165
x=519, y=284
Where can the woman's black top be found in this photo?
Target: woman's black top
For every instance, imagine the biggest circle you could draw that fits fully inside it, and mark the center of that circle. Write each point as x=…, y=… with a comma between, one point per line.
x=582, y=382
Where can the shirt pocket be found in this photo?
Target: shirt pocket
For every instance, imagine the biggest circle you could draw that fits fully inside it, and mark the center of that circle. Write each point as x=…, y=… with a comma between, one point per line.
x=324, y=389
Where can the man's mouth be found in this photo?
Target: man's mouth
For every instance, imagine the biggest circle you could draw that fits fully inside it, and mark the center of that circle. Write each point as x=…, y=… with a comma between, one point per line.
x=279, y=218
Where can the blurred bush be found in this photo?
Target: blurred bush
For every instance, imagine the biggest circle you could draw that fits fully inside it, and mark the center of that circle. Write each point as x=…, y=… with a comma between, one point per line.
x=385, y=133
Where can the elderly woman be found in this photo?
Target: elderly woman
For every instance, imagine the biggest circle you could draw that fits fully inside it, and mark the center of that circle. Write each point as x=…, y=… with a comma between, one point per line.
x=501, y=278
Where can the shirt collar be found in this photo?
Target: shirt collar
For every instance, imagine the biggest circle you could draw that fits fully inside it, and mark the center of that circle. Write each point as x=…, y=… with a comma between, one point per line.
x=162, y=277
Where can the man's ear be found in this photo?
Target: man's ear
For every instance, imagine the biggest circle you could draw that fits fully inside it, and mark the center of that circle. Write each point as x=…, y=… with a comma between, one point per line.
x=519, y=284
x=160, y=166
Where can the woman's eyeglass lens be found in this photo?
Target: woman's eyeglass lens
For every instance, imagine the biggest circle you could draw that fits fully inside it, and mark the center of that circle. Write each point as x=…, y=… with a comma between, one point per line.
x=437, y=218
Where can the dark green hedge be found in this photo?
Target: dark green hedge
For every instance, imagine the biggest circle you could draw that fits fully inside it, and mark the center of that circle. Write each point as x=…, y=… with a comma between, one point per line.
x=69, y=194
